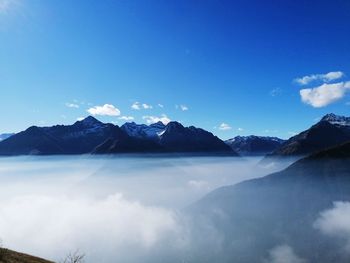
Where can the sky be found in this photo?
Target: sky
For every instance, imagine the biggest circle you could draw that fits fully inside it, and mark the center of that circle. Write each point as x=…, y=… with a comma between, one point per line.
x=269, y=68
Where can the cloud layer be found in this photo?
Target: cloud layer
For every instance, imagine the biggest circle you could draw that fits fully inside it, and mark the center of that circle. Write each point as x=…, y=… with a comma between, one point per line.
x=82, y=223
x=335, y=222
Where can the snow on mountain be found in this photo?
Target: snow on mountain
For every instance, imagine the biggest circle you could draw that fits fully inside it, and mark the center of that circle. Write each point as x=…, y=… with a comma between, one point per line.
x=254, y=145
x=336, y=119
x=143, y=131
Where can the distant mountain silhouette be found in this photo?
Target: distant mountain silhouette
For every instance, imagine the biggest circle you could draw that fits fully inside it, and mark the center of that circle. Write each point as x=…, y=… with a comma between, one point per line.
x=173, y=137
x=93, y=136
x=254, y=145
x=81, y=137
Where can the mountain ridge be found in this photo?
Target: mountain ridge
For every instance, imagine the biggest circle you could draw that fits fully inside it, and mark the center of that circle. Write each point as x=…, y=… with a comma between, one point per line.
x=254, y=145
x=92, y=136
x=330, y=131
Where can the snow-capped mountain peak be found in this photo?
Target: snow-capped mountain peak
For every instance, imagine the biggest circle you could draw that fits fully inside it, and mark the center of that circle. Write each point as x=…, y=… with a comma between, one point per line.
x=336, y=119
x=152, y=131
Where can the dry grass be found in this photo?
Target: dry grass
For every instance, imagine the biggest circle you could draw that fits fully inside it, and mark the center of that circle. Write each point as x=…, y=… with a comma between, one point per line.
x=9, y=256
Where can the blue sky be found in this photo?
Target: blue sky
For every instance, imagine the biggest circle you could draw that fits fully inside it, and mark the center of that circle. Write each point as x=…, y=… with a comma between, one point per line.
x=204, y=63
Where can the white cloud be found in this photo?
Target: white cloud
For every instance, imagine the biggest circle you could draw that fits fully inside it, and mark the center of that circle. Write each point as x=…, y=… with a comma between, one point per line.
x=153, y=119
x=334, y=222
x=138, y=106
x=80, y=118
x=72, y=105
x=224, y=127
x=160, y=105
x=107, y=110
x=126, y=118
x=325, y=94
x=147, y=106
x=183, y=107
x=240, y=129
x=330, y=76
x=284, y=254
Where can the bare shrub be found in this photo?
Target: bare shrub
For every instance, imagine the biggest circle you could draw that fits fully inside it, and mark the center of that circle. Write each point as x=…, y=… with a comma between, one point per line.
x=75, y=257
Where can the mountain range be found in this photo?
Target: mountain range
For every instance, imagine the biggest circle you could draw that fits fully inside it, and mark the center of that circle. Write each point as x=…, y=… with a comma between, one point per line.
x=92, y=136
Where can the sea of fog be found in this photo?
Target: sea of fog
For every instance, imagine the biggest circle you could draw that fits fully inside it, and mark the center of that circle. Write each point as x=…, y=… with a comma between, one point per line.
x=112, y=209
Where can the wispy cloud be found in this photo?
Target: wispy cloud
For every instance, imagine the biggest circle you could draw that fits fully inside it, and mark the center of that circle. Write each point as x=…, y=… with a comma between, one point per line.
x=6, y=5
x=126, y=118
x=330, y=76
x=72, y=105
x=275, y=92
x=224, y=127
x=105, y=110
x=80, y=118
x=325, y=94
x=160, y=105
x=181, y=107
x=138, y=106
x=153, y=119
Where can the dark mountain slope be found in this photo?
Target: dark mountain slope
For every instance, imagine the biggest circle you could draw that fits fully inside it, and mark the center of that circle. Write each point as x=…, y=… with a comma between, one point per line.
x=254, y=145
x=174, y=138
x=330, y=131
x=281, y=208
x=177, y=138
x=79, y=138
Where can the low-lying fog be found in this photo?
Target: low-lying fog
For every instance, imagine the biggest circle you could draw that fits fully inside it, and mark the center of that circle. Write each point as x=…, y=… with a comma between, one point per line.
x=120, y=209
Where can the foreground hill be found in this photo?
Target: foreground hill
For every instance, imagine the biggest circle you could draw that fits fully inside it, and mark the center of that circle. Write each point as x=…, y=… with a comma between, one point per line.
x=253, y=217
x=93, y=136
x=330, y=131
x=9, y=256
x=254, y=145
